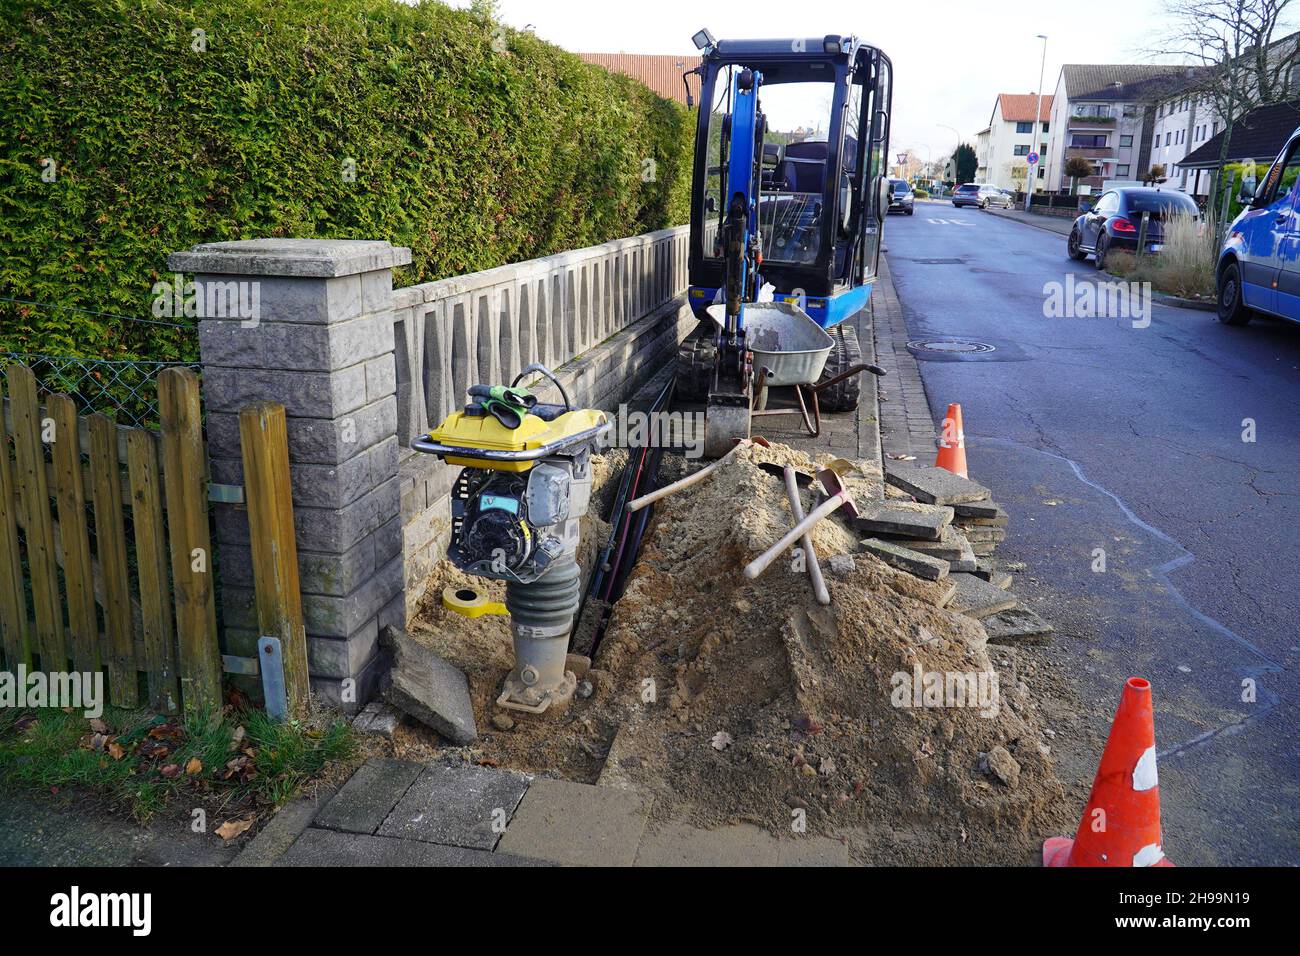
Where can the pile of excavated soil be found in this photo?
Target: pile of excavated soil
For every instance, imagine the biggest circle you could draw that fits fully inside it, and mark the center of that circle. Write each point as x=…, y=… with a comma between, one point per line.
x=735, y=701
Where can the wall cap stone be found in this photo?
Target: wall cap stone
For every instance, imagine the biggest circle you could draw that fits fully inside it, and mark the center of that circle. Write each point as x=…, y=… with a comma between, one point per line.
x=299, y=258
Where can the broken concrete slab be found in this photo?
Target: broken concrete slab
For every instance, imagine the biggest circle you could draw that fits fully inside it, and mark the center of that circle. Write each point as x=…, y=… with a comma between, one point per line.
x=905, y=559
x=428, y=688
x=577, y=824
x=976, y=535
x=935, y=486
x=947, y=591
x=978, y=598
x=377, y=718
x=951, y=545
x=366, y=800
x=988, y=508
x=926, y=522
x=463, y=805
x=1018, y=625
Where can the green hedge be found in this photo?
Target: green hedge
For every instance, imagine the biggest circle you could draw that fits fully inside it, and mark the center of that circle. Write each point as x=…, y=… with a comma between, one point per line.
x=471, y=156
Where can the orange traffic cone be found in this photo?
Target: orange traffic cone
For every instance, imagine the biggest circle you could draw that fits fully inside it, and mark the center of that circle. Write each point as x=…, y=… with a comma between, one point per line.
x=1121, y=823
x=952, y=443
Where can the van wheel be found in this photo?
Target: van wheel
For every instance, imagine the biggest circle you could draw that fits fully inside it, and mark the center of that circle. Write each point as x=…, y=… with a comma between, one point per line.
x=1232, y=310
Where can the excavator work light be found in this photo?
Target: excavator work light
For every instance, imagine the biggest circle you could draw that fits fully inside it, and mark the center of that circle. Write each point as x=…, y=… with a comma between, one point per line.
x=703, y=40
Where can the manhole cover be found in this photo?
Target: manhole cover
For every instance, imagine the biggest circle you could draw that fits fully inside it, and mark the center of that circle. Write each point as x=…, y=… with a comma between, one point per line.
x=950, y=347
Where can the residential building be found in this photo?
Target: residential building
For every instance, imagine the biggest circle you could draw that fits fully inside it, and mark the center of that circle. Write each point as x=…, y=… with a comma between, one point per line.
x=982, y=139
x=1183, y=121
x=1004, y=147
x=662, y=73
x=1100, y=113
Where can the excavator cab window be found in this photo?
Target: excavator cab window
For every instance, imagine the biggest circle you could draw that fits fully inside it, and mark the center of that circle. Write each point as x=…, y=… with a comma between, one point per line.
x=824, y=132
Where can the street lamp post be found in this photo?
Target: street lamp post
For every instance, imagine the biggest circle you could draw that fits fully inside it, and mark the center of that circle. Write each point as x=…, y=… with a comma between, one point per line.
x=1031, y=179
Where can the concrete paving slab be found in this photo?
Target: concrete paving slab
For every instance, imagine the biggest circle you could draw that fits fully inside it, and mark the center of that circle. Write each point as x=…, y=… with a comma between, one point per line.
x=976, y=509
x=978, y=598
x=935, y=486
x=926, y=523
x=428, y=688
x=905, y=559
x=465, y=806
x=366, y=800
x=328, y=848
x=997, y=518
x=951, y=546
x=577, y=824
x=1018, y=625
x=377, y=718
x=281, y=830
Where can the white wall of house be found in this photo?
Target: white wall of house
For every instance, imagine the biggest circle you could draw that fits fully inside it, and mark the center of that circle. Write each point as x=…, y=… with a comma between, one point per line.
x=1009, y=143
x=1182, y=124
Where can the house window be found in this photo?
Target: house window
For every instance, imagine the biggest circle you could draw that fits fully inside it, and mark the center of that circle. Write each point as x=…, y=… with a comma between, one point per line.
x=1125, y=141
x=1045, y=125
x=1021, y=151
x=1027, y=127
x=1169, y=138
x=1088, y=140
x=1041, y=171
x=1121, y=171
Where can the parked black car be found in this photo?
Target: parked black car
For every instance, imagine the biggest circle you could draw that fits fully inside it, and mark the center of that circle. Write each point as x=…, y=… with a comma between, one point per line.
x=901, y=198
x=1116, y=219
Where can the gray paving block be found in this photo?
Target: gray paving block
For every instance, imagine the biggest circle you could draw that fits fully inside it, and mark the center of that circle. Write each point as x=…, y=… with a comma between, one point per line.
x=927, y=523
x=458, y=806
x=577, y=824
x=951, y=545
x=987, y=508
x=377, y=718
x=1018, y=625
x=328, y=848
x=978, y=598
x=935, y=486
x=428, y=688
x=978, y=535
x=998, y=517
x=905, y=559
x=366, y=800
x=281, y=831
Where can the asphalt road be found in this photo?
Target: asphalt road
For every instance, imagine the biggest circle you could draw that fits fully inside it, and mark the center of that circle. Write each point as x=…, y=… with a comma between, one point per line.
x=1097, y=434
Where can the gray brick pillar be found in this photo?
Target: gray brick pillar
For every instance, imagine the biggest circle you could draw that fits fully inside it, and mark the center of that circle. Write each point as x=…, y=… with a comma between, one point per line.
x=308, y=323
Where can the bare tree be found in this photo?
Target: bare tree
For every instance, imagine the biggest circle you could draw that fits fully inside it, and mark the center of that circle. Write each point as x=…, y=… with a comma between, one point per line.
x=1242, y=62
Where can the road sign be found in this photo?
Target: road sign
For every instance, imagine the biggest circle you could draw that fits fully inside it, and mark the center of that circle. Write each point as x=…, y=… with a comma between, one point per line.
x=1032, y=159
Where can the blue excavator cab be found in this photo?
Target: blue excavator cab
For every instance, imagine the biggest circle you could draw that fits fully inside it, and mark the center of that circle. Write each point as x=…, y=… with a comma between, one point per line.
x=788, y=206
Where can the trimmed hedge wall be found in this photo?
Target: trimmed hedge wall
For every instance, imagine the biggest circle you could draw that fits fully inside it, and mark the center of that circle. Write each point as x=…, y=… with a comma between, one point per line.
x=475, y=146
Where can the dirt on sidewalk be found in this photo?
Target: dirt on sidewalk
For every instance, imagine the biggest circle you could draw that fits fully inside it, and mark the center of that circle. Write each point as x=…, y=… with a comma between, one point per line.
x=881, y=716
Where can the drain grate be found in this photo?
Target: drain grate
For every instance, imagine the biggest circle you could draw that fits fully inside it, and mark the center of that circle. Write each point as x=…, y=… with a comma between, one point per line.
x=951, y=347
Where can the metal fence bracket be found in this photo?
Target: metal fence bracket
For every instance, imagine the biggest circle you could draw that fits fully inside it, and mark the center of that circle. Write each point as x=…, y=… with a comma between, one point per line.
x=272, y=666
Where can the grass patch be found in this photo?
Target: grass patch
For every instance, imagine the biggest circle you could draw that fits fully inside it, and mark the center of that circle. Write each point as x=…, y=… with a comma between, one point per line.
x=140, y=761
x=1184, y=267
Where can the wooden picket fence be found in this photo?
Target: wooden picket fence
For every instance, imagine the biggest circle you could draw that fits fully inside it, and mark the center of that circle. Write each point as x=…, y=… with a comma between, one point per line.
x=105, y=551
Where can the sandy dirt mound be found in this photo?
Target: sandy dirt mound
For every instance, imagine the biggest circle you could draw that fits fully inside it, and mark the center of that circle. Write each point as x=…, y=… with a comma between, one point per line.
x=739, y=701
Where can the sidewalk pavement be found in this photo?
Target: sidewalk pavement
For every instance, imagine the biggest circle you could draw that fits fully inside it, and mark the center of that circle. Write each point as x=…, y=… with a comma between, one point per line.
x=399, y=813
x=1056, y=224
x=906, y=425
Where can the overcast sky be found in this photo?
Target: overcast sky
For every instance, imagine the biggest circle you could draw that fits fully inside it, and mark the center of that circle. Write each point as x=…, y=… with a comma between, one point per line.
x=951, y=57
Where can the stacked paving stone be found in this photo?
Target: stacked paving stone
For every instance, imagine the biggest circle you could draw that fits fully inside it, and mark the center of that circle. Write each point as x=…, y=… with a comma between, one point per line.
x=949, y=532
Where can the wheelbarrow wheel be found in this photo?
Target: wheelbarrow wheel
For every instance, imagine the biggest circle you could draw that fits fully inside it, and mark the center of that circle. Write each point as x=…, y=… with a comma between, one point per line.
x=842, y=396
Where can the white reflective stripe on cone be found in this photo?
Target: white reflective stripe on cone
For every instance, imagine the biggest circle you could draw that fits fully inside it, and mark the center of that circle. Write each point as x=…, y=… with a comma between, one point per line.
x=1149, y=855
x=1144, y=774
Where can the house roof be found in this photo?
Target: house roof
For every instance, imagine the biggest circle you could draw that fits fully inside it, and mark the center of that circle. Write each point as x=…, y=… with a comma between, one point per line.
x=1019, y=107
x=1259, y=135
x=1115, y=82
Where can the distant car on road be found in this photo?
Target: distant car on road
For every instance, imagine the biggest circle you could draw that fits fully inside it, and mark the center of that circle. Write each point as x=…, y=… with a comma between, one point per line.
x=901, y=198
x=1115, y=221
x=1259, y=263
x=981, y=195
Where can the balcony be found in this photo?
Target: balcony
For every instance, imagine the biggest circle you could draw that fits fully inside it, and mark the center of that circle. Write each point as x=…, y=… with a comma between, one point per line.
x=1090, y=152
x=1083, y=121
